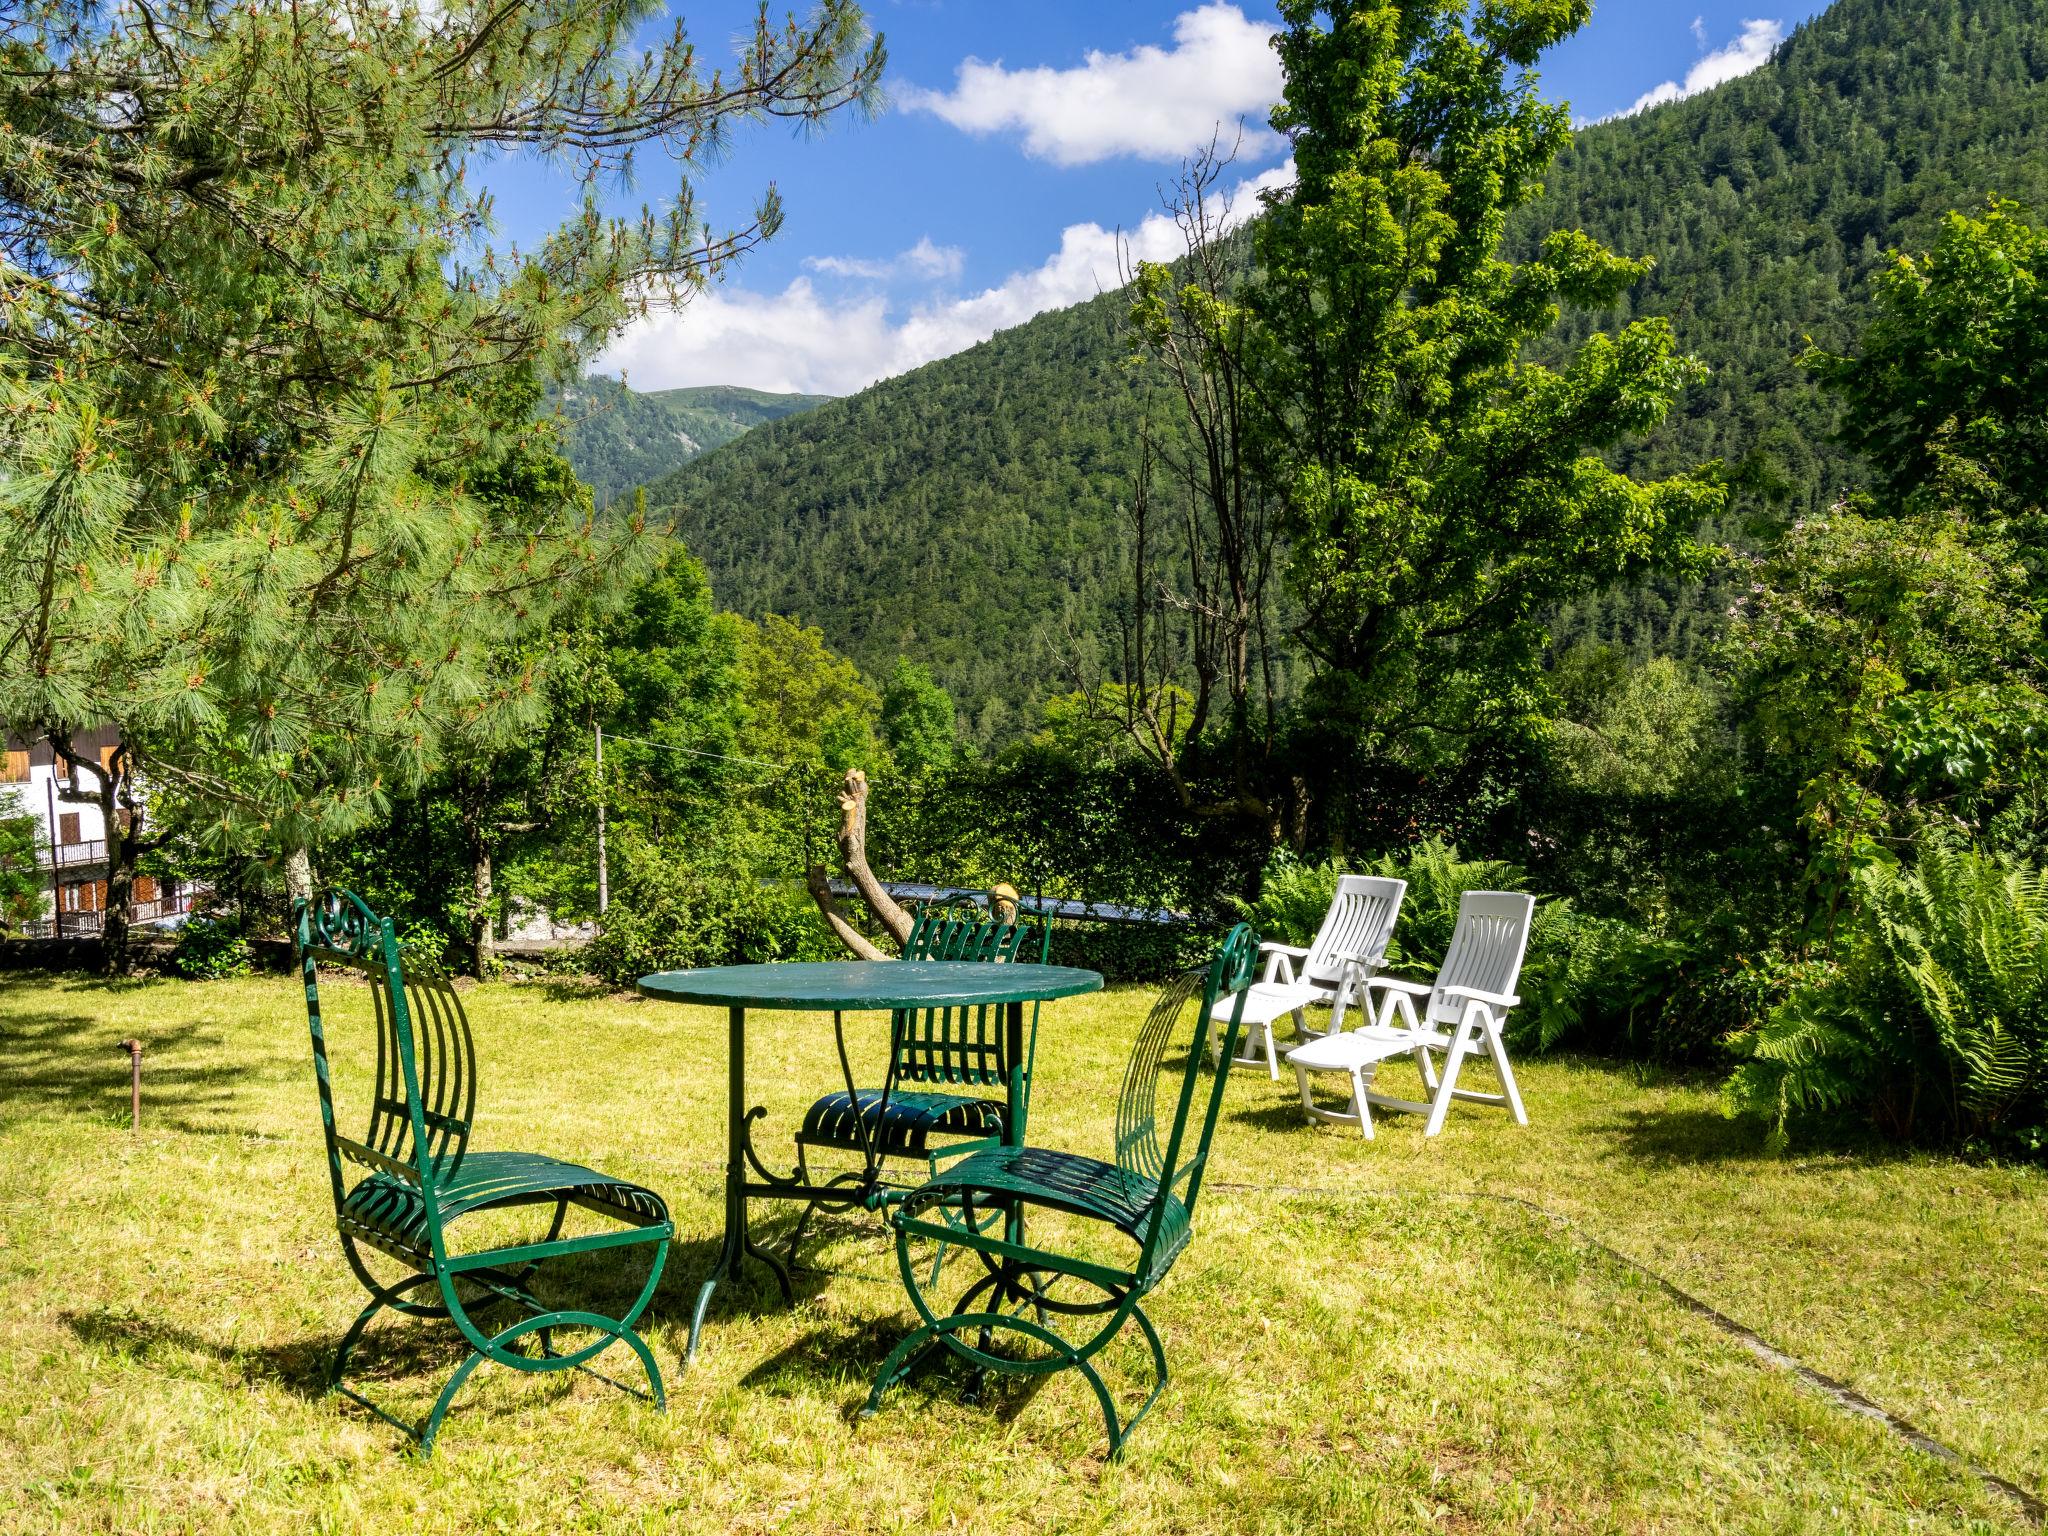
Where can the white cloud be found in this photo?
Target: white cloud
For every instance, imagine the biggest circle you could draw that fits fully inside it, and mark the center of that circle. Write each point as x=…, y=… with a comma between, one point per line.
x=1152, y=103
x=801, y=340
x=923, y=259
x=1751, y=51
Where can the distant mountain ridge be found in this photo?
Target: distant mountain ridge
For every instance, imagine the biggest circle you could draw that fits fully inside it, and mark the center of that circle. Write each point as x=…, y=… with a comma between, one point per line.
x=619, y=438
x=966, y=514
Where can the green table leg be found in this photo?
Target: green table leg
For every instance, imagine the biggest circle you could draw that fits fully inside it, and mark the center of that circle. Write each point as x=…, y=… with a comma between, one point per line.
x=737, y=1244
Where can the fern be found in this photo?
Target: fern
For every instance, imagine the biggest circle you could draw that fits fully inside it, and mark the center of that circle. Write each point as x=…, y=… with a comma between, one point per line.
x=1935, y=1020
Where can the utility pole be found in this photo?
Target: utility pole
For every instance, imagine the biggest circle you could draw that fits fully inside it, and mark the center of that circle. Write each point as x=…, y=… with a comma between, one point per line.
x=56, y=872
x=604, y=885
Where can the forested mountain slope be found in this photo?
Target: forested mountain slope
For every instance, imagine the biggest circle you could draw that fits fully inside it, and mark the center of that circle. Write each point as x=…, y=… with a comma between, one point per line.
x=619, y=438
x=964, y=514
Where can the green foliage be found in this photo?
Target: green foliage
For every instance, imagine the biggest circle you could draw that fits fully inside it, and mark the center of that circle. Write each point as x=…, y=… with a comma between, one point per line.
x=925, y=515
x=618, y=438
x=1636, y=732
x=917, y=719
x=210, y=949
x=1132, y=952
x=1633, y=802
x=1094, y=729
x=960, y=513
x=673, y=908
x=804, y=703
x=1889, y=673
x=1293, y=897
x=261, y=364
x=22, y=882
x=1933, y=1023
x=1441, y=491
x=1943, y=394
x=1052, y=827
x=1769, y=204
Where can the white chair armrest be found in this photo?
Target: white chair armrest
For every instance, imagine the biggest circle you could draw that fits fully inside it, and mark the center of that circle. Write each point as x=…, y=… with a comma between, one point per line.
x=1401, y=984
x=1474, y=994
x=1299, y=951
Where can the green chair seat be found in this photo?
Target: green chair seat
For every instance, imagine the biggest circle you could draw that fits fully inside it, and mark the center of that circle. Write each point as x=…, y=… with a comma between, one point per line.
x=902, y=1126
x=920, y=1111
x=391, y=1215
x=1065, y=1181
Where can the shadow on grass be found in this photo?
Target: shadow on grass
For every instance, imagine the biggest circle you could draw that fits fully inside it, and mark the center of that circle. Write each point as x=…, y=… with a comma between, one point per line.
x=573, y=989
x=57, y=1060
x=1282, y=1116
x=1669, y=1138
x=846, y=1356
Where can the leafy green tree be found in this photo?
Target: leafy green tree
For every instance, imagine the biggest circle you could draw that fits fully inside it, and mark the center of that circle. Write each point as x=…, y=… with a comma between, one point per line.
x=259, y=354
x=660, y=677
x=805, y=704
x=1890, y=657
x=1091, y=728
x=1888, y=673
x=1947, y=394
x=917, y=719
x=22, y=884
x=1440, y=491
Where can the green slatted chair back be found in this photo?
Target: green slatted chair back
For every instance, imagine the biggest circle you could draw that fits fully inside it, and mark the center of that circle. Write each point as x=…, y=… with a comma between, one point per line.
x=1159, y=1093
x=962, y=1045
x=423, y=1086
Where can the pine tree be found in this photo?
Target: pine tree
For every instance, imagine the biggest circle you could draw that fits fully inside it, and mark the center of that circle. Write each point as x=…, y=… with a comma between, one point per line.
x=259, y=351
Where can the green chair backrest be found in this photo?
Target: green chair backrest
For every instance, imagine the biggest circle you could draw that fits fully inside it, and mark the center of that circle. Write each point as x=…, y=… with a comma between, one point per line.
x=962, y=1045
x=1140, y=1156
x=424, y=1095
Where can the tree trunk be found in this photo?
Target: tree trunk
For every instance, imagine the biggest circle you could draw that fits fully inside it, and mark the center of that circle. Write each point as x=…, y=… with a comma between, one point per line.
x=853, y=853
x=298, y=876
x=122, y=852
x=482, y=945
x=853, y=856
x=121, y=821
x=820, y=886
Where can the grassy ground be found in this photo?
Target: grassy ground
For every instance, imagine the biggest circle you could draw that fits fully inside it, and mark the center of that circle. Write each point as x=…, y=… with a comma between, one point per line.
x=1387, y=1351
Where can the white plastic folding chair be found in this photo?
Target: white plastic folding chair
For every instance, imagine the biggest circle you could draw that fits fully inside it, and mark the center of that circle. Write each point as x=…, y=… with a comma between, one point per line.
x=1467, y=1009
x=1349, y=949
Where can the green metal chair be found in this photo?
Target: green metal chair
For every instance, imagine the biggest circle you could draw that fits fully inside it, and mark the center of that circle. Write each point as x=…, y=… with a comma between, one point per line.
x=1147, y=1194
x=421, y=1178
x=970, y=1048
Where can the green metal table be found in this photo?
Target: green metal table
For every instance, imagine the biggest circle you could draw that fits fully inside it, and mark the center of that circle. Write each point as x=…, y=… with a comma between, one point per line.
x=838, y=988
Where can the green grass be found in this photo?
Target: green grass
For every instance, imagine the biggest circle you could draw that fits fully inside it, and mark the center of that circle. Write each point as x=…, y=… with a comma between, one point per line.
x=1385, y=1352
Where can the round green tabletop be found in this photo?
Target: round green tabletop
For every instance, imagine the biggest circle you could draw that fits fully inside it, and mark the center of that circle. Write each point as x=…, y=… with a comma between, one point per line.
x=857, y=986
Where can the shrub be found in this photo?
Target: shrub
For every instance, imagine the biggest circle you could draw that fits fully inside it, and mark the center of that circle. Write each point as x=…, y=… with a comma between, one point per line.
x=669, y=913
x=209, y=949
x=1132, y=951
x=1932, y=1023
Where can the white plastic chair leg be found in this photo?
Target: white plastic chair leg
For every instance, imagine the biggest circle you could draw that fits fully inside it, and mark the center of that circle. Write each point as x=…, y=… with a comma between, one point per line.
x=1513, y=1095
x=1427, y=1064
x=1440, y=1105
x=1272, y=1055
x=1358, y=1103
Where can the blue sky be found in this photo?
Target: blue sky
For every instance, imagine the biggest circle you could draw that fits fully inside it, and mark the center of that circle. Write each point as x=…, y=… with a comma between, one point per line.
x=1019, y=144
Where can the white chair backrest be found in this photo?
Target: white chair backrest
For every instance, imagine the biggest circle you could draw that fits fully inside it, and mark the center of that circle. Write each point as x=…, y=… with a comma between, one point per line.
x=1486, y=949
x=1360, y=922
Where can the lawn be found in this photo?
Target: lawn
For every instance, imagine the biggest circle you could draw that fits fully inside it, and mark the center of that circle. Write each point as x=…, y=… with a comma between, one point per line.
x=1363, y=1338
